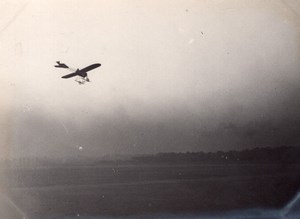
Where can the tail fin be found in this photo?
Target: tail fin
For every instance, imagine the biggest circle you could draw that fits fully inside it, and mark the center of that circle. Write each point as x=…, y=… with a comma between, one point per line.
x=61, y=65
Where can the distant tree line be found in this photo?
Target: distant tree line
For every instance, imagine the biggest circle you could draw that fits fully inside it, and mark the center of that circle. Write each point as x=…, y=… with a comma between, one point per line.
x=284, y=154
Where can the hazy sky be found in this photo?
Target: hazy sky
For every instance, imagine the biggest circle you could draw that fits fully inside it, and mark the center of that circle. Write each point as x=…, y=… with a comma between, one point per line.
x=175, y=76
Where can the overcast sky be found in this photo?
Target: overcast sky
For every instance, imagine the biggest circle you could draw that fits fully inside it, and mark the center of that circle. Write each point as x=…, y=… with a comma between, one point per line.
x=176, y=76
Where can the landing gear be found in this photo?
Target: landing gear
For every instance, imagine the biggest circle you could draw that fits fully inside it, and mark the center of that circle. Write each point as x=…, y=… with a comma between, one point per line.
x=81, y=80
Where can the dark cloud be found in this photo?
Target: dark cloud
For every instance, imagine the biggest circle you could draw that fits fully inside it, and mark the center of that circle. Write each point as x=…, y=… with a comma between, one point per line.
x=267, y=124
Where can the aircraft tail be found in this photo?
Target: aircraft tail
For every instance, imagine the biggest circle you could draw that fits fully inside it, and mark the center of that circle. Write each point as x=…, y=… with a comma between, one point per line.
x=61, y=65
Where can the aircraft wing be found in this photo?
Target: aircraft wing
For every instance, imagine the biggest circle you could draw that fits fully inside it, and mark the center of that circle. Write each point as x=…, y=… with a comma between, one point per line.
x=91, y=67
x=70, y=75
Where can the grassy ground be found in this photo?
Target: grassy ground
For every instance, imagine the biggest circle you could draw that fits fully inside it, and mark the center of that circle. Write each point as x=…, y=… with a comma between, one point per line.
x=120, y=190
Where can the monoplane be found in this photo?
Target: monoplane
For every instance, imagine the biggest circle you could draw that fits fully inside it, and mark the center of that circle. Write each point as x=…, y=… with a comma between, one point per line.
x=81, y=73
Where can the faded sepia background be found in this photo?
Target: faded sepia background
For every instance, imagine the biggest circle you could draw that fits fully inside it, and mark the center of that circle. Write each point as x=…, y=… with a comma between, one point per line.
x=176, y=76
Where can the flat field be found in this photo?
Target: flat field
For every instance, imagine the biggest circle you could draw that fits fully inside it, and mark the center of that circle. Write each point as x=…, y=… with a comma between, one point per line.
x=126, y=190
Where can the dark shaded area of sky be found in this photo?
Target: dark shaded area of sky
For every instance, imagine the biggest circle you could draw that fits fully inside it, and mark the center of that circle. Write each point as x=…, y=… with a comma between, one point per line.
x=275, y=122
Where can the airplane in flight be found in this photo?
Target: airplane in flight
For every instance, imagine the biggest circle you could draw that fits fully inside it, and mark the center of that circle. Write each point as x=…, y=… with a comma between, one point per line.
x=82, y=73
